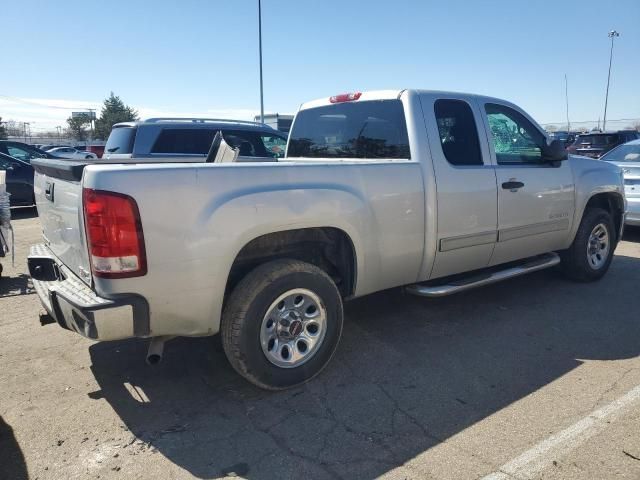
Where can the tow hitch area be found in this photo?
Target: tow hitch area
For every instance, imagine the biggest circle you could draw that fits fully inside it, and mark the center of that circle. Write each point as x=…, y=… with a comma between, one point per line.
x=46, y=319
x=43, y=269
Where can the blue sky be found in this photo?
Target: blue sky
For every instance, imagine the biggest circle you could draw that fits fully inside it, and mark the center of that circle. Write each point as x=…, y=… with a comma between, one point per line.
x=200, y=57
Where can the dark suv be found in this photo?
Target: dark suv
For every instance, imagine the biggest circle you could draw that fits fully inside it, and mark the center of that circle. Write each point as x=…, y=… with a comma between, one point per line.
x=596, y=144
x=164, y=139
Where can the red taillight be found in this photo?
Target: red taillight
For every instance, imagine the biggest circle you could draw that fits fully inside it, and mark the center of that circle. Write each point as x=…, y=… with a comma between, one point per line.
x=345, y=97
x=114, y=234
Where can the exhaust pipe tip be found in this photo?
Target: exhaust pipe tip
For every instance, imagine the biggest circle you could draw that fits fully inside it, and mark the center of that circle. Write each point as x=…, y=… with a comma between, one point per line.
x=156, y=348
x=154, y=359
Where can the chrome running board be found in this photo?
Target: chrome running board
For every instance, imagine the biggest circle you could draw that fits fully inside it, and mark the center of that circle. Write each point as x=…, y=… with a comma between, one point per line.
x=480, y=279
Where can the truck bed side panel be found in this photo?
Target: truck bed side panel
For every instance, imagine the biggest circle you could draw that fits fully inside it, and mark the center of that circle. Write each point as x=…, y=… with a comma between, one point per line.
x=196, y=218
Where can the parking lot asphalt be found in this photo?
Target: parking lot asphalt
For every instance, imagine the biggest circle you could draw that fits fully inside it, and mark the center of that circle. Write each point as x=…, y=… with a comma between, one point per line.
x=537, y=377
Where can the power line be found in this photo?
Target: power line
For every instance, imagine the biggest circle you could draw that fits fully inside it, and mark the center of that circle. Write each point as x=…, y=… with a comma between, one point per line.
x=38, y=104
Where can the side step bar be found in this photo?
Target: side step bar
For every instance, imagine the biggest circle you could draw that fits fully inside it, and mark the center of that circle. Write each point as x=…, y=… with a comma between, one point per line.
x=531, y=265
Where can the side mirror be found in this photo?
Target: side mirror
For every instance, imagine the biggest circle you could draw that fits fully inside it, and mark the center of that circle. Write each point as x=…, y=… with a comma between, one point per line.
x=554, y=152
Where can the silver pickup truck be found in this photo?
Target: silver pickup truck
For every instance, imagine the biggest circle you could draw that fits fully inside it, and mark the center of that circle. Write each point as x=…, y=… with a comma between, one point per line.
x=434, y=191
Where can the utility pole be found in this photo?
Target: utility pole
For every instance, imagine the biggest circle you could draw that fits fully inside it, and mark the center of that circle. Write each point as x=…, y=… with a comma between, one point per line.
x=91, y=116
x=59, y=128
x=260, y=53
x=566, y=96
x=24, y=130
x=612, y=34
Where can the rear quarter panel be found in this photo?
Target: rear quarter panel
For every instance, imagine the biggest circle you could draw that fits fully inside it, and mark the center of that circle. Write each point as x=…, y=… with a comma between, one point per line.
x=197, y=217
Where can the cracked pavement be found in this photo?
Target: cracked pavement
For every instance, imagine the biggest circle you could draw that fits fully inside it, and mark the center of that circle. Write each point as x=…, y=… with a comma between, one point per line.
x=448, y=388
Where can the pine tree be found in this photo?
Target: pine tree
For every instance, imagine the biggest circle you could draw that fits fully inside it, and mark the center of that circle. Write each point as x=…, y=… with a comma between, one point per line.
x=78, y=127
x=113, y=111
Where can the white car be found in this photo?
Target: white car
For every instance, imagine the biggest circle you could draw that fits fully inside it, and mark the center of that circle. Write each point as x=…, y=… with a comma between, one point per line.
x=68, y=152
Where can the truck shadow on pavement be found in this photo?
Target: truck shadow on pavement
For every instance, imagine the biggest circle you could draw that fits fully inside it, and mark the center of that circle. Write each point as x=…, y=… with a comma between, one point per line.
x=409, y=374
x=12, y=464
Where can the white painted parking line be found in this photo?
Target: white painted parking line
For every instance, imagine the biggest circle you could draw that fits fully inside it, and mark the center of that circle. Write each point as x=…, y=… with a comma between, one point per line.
x=541, y=456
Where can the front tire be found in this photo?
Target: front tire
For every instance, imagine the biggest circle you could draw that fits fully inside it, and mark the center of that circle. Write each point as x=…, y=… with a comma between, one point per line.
x=591, y=252
x=282, y=324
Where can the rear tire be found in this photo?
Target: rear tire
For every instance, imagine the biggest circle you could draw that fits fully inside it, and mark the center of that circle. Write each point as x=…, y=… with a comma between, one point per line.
x=282, y=324
x=589, y=256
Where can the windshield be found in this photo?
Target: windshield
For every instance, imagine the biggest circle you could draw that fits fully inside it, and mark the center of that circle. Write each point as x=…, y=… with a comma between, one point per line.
x=624, y=153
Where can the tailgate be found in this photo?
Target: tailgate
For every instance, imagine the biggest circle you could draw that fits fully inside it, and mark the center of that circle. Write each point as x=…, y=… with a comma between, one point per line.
x=58, y=191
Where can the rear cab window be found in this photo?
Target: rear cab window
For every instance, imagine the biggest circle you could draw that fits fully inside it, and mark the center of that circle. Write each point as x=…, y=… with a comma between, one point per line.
x=120, y=140
x=374, y=129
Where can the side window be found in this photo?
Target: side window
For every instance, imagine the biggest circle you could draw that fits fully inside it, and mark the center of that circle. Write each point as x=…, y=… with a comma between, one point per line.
x=248, y=143
x=274, y=145
x=458, y=132
x=184, y=141
x=515, y=139
x=22, y=154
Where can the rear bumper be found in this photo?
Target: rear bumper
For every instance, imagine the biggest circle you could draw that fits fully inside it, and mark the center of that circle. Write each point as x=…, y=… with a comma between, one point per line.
x=76, y=307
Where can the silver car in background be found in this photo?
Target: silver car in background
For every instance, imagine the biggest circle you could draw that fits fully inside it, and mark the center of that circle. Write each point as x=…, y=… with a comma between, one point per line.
x=627, y=157
x=70, y=152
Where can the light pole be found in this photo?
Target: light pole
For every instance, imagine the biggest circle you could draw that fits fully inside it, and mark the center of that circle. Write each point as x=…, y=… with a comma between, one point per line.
x=260, y=52
x=612, y=34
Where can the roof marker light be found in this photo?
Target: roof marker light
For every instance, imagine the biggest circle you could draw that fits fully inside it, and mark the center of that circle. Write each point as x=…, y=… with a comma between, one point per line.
x=345, y=97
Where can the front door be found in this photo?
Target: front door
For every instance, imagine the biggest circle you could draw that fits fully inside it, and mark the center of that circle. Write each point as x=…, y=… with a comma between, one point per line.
x=535, y=198
x=465, y=185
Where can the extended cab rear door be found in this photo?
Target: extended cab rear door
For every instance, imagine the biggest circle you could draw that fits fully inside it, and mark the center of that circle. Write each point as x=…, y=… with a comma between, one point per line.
x=465, y=183
x=536, y=200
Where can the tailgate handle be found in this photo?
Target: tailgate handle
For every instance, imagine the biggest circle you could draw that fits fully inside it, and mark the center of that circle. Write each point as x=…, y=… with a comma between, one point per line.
x=48, y=190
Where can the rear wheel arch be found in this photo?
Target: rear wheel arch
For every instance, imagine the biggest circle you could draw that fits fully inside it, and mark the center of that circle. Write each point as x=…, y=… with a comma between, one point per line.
x=328, y=248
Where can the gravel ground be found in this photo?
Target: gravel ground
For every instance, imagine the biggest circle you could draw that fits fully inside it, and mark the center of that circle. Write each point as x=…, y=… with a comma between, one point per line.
x=451, y=388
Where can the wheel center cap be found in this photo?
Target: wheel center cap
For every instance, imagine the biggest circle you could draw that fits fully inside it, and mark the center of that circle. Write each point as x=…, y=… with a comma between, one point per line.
x=295, y=328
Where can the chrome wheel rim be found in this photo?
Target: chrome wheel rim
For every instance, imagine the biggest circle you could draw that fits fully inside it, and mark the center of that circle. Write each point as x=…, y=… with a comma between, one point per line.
x=598, y=246
x=293, y=328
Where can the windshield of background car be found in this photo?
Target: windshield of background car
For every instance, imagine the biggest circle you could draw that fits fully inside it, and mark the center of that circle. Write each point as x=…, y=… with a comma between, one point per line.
x=624, y=153
x=370, y=129
x=24, y=154
x=597, y=140
x=120, y=140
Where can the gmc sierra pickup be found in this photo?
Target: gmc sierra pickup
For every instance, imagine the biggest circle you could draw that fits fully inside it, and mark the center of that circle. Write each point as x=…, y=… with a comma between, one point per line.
x=435, y=191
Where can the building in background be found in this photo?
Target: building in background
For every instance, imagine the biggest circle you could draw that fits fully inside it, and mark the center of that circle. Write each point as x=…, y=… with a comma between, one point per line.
x=280, y=122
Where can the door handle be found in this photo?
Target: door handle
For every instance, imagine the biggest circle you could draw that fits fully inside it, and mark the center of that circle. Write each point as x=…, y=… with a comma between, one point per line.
x=48, y=191
x=512, y=185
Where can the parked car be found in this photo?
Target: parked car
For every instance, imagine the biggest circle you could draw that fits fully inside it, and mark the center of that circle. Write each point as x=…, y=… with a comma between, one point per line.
x=22, y=151
x=70, y=152
x=162, y=139
x=627, y=157
x=595, y=145
x=19, y=180
x=46, y=148
x=435, y=191
x=567, y=138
